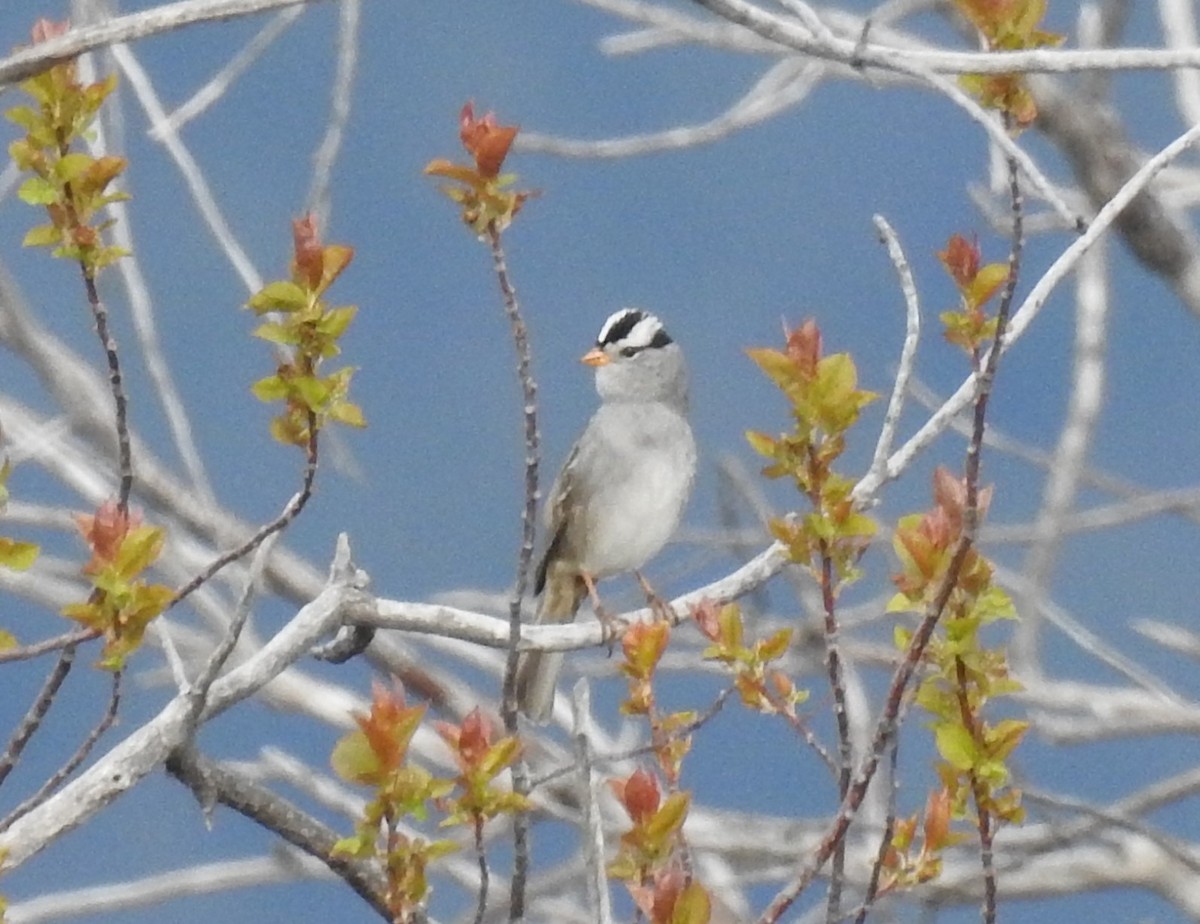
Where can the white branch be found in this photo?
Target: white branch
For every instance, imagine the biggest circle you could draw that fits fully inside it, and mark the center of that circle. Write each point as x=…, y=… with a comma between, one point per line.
x=1028, y=311
x=792, y=34
x=145, y=749
x=128, y=28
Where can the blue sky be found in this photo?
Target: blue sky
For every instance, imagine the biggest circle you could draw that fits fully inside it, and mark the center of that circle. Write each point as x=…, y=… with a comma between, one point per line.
x=724, y=242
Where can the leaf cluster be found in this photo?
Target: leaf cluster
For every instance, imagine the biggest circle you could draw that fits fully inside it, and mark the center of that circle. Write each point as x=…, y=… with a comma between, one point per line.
x=1007, y=25
x=825, y=403
x=914, y=855
x=71, y=185
x=376, y=755
x=484, y=194
x=971, y=326
x=15, y=555
x=643, y=646
x=480, y=761
x=121, y=604
x=308, y=330
x=761, y=687
x=962, y=675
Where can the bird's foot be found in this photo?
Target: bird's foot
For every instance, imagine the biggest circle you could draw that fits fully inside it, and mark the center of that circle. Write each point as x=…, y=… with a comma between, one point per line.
x=658, y=606
x=612, y=627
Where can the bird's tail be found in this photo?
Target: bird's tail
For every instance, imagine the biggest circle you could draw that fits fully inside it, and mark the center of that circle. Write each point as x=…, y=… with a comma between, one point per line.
x=537, y=672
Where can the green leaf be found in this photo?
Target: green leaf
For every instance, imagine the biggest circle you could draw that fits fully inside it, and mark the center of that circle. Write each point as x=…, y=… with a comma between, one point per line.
x=71, y=167
x=24, y=116
x=18, y=556
x=272, y=388
x=278, y=296
x=761, y=443
x=777, y=366
x=360, y=845
x=354, y=760
x=336, y=320
x=348, y=413
x=669, y=817
x=7, y=640
x=985, y=284
x=693, y=905
x=956, y=746
x=139, y=550
x=272, y=332
x=776, y=646
x=313, y=392
x=37, y=190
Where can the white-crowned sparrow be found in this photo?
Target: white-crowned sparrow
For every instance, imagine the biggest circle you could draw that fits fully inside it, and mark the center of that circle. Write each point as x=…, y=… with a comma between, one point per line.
x=620, y=494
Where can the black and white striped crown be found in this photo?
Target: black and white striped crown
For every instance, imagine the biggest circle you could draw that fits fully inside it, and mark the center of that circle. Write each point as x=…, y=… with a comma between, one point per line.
x=632, y=328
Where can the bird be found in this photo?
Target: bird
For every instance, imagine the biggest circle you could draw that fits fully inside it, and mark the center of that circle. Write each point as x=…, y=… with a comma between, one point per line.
x=624, y=486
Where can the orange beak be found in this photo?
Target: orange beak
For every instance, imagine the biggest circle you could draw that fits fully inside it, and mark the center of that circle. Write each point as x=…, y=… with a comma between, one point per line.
x=595, y=357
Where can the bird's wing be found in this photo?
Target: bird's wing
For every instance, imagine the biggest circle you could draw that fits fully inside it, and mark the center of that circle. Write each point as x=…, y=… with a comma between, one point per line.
x=556, y=519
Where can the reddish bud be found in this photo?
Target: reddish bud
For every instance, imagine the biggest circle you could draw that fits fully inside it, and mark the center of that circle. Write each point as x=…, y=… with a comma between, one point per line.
x=668, y=884
x=475, y=737
x=804, y=347
x=105, y=532
x=937, y=819
x=639, y=794
x=485, y=141
x=706, y=613
x=950, y=496
x=308, y=258
x=961, y=260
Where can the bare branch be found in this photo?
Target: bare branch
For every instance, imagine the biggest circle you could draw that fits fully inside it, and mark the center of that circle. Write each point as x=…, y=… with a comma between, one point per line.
x=128, y=28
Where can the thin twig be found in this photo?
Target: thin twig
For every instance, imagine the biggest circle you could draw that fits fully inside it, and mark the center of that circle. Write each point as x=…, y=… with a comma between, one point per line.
x=108, y=135
x=520, y=334
x=37, y=711
x=129, y=28
x=971, y=516
x=885, y=842
x=25, y=652
x=215, y=88
x=80, y=755
x=318, y=199
x=484, y=873
x=290, y=512
x=888, y=724
x=908, y=353
x=837, y=685
x=120, y=400
x=198, y=691
x=1025, y=315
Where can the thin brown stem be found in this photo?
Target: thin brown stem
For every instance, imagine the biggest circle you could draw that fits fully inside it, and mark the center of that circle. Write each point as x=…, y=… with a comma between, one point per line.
x=979, y=793
x=520, y=335
x=484, y=873
x=37, y=711
x=35, y=649
x=800, y=727
x=289, y=513
x=620, y=756
x=833, y=663
x=885, y=842
x=885, y=730
x=80, y=755
x=116, y=384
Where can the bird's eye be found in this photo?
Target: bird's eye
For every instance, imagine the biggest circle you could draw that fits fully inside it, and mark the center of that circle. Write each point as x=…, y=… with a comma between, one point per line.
x=629, y=351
